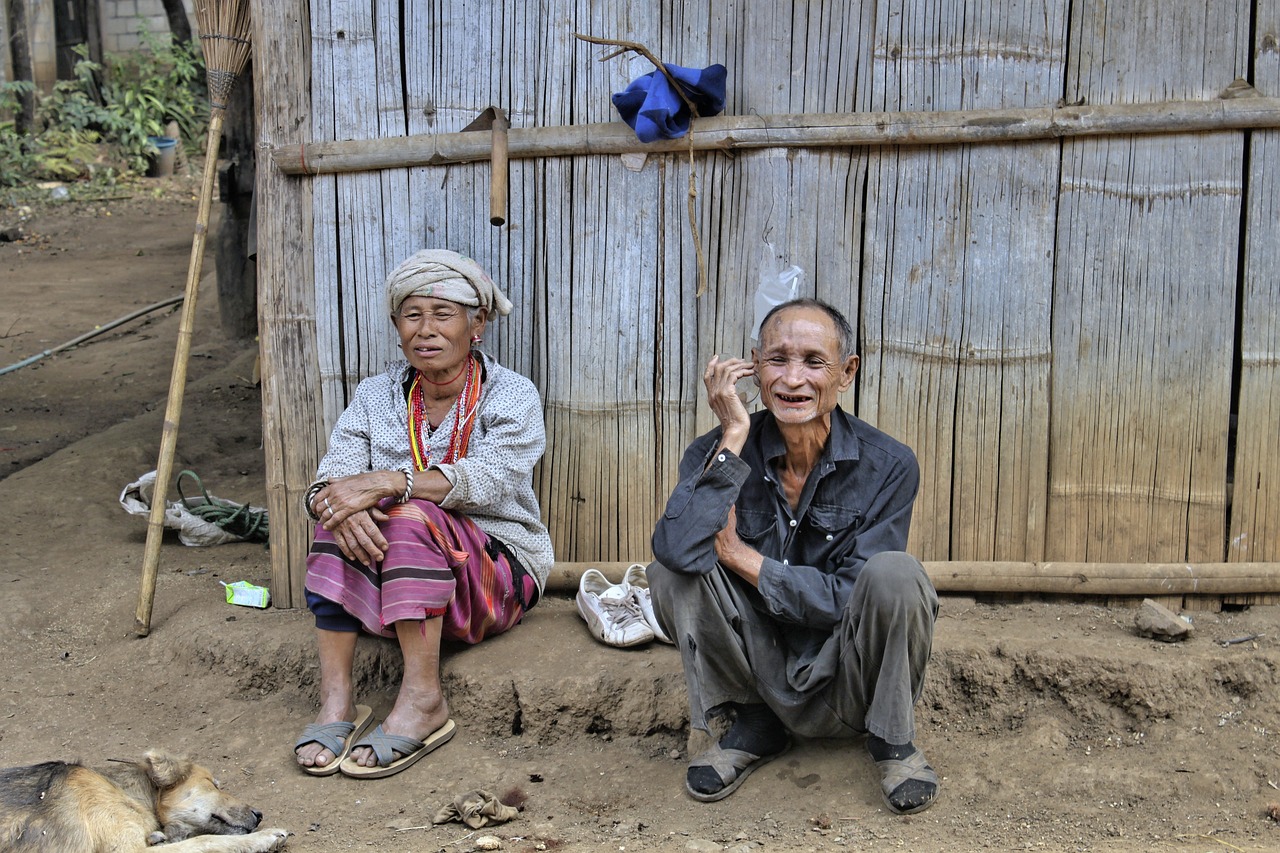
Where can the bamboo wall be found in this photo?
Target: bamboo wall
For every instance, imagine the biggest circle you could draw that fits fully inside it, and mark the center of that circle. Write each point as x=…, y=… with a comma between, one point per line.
x=1078, y=337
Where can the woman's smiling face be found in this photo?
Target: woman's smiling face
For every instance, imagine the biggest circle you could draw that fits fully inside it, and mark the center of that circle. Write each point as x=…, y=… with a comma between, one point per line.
x=799, y=366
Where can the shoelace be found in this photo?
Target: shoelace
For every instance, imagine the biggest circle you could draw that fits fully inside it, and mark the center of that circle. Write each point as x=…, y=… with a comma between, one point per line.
x=623, y=612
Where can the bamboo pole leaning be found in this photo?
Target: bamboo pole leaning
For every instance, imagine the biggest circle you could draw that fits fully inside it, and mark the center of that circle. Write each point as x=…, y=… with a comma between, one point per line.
x=728, y=133
x=1146, y=579
x=224, y=39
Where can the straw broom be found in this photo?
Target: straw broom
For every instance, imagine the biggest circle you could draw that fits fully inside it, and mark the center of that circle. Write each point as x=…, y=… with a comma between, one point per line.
x=224, y=28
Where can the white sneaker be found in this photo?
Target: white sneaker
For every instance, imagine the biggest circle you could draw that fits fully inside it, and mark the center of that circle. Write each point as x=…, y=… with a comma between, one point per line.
x=638, y=581
x=611, y=612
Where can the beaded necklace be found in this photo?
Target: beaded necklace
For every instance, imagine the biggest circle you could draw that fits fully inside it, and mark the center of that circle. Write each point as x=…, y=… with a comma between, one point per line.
x=420, y=427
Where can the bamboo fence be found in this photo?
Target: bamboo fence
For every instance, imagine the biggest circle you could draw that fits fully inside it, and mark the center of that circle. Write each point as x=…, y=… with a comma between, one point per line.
x=1055, y=237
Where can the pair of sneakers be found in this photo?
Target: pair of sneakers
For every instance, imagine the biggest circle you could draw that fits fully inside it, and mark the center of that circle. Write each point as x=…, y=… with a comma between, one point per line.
x=619, y=614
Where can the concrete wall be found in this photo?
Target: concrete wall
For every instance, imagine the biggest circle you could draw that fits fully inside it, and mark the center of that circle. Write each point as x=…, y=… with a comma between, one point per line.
x=120, y=21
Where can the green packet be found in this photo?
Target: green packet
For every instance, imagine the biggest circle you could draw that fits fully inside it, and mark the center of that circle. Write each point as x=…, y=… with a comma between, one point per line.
x=246, y=594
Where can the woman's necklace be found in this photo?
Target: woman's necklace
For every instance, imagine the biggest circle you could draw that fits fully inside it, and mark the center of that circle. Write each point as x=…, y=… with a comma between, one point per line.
x=420, y=428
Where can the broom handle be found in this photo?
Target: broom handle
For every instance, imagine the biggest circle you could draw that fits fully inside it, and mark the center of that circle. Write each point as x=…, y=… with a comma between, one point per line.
x=177, y=384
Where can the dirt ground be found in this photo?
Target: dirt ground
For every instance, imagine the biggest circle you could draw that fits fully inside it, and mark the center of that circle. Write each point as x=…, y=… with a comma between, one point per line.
x=1053, y=725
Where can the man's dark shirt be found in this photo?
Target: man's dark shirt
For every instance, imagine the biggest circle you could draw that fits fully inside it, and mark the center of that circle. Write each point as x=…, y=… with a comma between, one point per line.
x=856, y=503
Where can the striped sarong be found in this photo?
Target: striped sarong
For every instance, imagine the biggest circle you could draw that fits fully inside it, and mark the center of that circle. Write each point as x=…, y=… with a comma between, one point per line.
x=437, y=563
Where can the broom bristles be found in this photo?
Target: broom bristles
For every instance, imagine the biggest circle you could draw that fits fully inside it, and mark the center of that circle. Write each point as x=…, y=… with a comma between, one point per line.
x=225, y=29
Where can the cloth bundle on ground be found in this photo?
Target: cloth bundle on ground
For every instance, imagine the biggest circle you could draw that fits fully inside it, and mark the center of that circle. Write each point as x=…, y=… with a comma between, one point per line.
x=207, y=520
x=478, y=808
x=655, y=110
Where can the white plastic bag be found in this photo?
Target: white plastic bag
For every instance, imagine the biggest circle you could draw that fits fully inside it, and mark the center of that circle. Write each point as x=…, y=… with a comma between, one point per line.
x=192, y=530
x=776, y=286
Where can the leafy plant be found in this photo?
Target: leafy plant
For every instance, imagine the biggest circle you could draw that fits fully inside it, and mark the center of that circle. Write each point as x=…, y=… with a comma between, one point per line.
x=147, y=89
x=116, y=105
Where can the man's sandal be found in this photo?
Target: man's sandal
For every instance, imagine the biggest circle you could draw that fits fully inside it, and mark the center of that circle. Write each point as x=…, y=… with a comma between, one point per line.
x=733, y=766
x=897, y=772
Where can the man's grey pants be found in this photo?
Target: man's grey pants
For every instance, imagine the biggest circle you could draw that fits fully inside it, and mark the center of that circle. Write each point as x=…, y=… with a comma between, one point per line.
x=865, y=677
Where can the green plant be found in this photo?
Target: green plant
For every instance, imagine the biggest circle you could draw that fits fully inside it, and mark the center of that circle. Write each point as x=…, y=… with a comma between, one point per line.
x=16, y=162
x=105, y=113
x=147, y=89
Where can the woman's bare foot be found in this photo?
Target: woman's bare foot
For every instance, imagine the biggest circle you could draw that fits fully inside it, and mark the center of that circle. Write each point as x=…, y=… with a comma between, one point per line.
x=416, y=715
x=313, y=754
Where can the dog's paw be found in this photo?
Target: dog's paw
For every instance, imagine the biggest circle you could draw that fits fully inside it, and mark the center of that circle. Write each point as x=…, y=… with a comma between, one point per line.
x=266, y=840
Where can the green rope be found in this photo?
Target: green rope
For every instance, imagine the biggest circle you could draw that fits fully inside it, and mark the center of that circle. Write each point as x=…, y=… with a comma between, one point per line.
x=242, y=521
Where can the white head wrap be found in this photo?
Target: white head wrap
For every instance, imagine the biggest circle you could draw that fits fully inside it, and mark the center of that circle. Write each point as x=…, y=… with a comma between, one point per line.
x=445, y=275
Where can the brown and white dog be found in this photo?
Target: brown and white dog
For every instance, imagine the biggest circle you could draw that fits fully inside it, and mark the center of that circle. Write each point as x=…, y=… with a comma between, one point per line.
x=58, y=807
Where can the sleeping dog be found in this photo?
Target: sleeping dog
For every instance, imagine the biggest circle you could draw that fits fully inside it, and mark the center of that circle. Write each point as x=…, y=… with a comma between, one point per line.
x=58, y=807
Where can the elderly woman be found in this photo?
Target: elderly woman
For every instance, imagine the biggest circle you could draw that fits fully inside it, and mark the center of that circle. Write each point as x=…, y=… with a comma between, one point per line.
x=427, y=527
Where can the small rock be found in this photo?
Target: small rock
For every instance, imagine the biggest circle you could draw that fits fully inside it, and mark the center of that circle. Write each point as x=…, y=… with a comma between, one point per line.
x=12, y=235
x=1159, y=622
x=702, y=845
x=488, y=842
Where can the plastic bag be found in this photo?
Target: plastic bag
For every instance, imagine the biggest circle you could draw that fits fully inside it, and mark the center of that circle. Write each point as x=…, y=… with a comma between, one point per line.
x=192, y=530
x=776, y=286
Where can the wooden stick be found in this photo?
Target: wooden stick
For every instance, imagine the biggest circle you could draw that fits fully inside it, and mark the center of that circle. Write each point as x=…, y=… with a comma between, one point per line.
x=177, y=384
x=498, y=169
x=1065, y=578
x=728, y=133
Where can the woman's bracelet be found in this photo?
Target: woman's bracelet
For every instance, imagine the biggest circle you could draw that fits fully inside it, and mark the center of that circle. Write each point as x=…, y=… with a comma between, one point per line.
x=310, y=495
x=408, y=483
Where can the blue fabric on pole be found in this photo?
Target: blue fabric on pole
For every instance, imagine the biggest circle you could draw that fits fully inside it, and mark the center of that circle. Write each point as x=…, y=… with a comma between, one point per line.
x=655, y=110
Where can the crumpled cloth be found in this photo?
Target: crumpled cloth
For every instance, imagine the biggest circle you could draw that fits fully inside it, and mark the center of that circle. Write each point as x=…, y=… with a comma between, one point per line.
x=655, y=110
x=478, y=808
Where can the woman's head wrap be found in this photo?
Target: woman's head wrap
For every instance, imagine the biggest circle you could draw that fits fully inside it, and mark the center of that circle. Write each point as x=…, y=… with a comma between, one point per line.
x=445, y=275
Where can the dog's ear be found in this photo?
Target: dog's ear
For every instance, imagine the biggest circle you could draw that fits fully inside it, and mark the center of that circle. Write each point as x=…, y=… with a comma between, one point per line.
x=165, y=770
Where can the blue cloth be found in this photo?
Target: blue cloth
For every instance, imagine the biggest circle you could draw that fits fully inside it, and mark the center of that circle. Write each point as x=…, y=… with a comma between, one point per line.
x=655, y=110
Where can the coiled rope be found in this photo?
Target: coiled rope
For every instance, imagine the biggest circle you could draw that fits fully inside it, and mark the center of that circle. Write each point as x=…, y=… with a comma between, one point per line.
x=243, y=521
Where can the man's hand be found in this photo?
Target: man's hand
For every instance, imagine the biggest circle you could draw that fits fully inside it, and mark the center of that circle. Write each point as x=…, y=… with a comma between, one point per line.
x=720, y=377
x=736, y=555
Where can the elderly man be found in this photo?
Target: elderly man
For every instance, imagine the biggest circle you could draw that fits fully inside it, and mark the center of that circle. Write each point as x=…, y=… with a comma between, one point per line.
x=780, y=570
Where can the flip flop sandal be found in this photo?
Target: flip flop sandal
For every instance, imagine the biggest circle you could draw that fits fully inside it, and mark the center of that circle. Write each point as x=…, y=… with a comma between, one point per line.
x=337, y=737
x=733, y=766
x=385, y=746
x=913, y=768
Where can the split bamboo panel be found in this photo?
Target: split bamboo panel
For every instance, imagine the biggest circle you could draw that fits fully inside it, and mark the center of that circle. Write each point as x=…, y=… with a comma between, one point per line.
x=449, y=81
x=1255, y=505
x=292, y=416
x=955, y=303
x=356, y=93
x=1144, y=290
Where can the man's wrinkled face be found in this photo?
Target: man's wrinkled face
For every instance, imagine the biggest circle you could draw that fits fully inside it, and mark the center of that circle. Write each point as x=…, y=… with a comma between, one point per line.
x=799, y=366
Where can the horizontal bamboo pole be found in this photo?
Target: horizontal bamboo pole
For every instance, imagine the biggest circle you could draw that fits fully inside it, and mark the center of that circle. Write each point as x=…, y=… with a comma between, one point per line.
x=726, y=133
x=1073, y=578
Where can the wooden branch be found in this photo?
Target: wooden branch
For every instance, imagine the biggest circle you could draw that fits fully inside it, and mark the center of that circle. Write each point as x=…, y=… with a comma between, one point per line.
x=1144, y=579
x=623, y=46
x=727, y=133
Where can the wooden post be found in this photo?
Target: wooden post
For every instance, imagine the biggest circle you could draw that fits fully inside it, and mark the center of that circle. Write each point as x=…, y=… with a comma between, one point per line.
x=292, y=418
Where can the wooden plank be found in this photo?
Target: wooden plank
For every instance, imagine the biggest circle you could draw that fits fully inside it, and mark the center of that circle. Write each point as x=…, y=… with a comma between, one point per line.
x=1144, y=289
x=956, y=295
x=291, y=408
x=793, y=130
x=1170, y=584
x=1255, y=504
